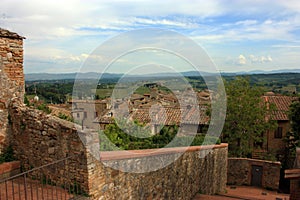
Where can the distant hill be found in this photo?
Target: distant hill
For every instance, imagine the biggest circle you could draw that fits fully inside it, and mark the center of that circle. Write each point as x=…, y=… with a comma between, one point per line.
x=68, y=76
x=95, y=75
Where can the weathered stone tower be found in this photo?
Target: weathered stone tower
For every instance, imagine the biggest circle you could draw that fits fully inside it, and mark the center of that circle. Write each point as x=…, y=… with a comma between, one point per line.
x=11, y=78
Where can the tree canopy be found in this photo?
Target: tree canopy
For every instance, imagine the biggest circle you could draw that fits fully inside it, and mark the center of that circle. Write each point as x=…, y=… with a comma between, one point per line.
x=114, y=138
x=246, y=118
x=294, y=116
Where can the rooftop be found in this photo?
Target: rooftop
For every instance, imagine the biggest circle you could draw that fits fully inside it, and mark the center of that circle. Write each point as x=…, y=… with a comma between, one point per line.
x=167, y=116
x=282, y=104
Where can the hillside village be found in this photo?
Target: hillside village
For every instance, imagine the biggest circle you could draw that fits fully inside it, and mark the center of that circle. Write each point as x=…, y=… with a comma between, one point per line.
x=39, y=139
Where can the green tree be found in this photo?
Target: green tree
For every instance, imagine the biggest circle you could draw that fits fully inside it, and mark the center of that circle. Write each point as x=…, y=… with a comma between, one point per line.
x=294, y=116
x=114, y=138
x=293, y=136
x=246, y=118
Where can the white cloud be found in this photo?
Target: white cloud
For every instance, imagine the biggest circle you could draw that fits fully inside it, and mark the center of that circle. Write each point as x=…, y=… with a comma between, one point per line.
x=61, y=24
x=260, y=59
x=242, y=60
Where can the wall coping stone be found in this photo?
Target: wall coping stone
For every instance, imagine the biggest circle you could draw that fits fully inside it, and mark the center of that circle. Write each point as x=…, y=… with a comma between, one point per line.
x=255, y=160
x=9, y=34
x=127, y=154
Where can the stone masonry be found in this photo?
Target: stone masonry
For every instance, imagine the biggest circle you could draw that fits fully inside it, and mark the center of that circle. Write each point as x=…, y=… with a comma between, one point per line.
x=39, y=139
x=239, y=172
x=11, y=77
x=182, y=179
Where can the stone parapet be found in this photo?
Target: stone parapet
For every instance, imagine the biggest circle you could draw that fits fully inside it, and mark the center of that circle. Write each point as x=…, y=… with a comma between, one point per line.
x=240, y=172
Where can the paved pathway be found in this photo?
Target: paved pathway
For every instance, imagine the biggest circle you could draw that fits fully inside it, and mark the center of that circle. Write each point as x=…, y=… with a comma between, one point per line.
x=246, y=193
x=35, y=191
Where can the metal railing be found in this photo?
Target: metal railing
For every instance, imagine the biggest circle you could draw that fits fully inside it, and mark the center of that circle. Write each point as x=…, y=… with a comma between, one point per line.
x=47, y=182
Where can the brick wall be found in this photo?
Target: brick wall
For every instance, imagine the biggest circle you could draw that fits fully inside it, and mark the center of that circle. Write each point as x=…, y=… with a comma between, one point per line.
x=11, y=77
x=239, y=172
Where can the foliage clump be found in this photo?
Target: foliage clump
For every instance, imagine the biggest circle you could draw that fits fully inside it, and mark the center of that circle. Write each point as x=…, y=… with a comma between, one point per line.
x=248, y=117
x=7, y=155
x=114, y=138
x=292, y=138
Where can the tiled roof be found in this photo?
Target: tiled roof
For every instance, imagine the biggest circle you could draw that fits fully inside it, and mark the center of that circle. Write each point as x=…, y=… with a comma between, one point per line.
x=166, y=116
x=9, y=34
x=171, y=116
x=282, y=104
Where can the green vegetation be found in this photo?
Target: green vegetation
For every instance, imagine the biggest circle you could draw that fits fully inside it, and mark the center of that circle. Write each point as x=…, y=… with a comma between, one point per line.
x=245, y=121
x=294, y=116
x=51, y=91
x=65, y=117
x=293, y=136
x=43, y=107
x=142, y=90
x=58, y=91
x=37, y=105
x=7, y=155
x=113, y=134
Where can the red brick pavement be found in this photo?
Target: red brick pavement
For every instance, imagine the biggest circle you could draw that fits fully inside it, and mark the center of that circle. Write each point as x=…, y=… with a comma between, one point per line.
x=35, y=191
x=245, y=193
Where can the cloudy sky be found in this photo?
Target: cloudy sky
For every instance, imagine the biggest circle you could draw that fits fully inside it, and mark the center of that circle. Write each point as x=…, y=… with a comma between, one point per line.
x=237, y=35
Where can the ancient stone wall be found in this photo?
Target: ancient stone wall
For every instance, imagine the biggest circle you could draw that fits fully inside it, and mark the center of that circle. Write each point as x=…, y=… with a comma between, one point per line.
x=240, y=172
x=182, y=179
x=11, y=77
x=39, y=139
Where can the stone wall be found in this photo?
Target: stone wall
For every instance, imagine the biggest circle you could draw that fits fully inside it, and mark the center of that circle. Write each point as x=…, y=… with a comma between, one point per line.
x=11, y=77
x=39, y=139
x=239, y=172
x=277, y=145
x=294, y=176
x=294, y=189
x=182, y=179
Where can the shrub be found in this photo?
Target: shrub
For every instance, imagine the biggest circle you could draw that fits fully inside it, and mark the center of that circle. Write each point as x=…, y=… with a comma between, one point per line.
x=7, y=155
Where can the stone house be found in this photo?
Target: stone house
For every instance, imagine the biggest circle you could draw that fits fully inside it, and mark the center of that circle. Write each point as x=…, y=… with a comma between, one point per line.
x=274, y=139
x=85, y=111
x=11, y=77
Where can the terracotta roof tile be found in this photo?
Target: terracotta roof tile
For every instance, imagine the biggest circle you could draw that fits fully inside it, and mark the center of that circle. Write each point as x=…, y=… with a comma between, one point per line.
x=166, y=116
x=282, y=104
x=170, y=116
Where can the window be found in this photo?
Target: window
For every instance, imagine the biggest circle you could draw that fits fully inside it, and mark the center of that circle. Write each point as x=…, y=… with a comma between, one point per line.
x=85, y=115
x=200, y=129
x=78, y=115
x=278, y=133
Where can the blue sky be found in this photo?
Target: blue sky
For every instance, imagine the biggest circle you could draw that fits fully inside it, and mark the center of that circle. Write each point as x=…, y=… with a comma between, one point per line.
x=237, y=35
